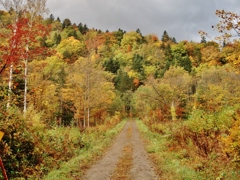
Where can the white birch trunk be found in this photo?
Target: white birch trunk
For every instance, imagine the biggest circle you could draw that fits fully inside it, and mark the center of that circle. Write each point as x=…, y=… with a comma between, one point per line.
x=10, y=85
x=84, y=109
x=25, y=85
x=88, y=98
x=11, y=71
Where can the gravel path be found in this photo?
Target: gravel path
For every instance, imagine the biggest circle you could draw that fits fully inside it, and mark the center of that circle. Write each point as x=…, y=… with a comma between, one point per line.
x=141, y=169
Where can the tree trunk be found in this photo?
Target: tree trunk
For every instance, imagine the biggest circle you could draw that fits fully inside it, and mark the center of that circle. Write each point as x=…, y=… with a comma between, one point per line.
x=84, y=109
x=88, y=97
x=10, y=85
x=88, y=117
x=25, y=87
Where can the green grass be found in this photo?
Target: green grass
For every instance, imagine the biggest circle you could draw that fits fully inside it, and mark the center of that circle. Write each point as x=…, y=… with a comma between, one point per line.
x=170, y=164
x=96, y=143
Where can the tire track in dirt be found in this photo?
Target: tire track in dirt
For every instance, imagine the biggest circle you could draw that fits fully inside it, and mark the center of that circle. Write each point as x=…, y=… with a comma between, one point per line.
x=104, y=167
x=122, y=170
x=143, y=168
x=140, y=168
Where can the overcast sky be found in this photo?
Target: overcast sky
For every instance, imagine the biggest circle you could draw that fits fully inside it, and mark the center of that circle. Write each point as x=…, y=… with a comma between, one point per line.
x=182, y=19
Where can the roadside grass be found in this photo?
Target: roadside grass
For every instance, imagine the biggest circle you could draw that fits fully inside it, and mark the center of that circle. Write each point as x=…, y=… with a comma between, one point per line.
x=170, y=164
x=95, y=141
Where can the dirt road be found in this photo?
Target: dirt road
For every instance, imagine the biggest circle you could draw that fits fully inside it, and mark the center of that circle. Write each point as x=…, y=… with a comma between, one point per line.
x=125, y=160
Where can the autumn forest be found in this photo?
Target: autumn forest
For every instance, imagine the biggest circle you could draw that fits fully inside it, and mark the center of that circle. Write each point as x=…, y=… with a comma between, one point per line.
x=65, y=88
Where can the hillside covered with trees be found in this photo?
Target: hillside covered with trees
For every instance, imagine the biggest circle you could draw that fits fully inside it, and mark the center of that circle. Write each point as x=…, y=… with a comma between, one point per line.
x=64, y=85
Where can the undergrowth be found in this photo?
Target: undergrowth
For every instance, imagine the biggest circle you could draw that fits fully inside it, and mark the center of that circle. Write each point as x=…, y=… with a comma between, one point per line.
x=205, y=146
x=30, y=149
x=98, y=139
x=170, y=164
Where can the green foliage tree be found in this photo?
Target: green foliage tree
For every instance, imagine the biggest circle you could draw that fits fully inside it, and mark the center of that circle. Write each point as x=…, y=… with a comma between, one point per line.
x=180, y=57
x=123, y=82
x=168, y=57
x=119, y=35
x=111, y=65
x=57, y=38
x=137, y=65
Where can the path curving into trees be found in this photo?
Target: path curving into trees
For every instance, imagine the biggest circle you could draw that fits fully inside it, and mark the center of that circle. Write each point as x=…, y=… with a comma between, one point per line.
x=126, y=159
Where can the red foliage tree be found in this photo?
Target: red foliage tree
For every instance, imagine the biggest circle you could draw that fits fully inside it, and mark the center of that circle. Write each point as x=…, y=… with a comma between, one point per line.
x=17, y=41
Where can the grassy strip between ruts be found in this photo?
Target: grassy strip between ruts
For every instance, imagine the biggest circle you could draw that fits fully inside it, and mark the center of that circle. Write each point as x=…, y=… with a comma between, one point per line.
x=97, y=143
x=122, y=170
x=169, y=164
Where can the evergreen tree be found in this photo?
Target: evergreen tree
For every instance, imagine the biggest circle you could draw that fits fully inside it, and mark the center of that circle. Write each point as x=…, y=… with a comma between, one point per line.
x=119, y=35
x=111, y=65
x=199, y=56
x=80, y=27
x=57, y=38
x=85, y=29
x=186, y=63
x=180, y=57
x=224, y=43
x=138, y=31
x=203, y=40
x=137, y=64
x=52, y=18
x=123, y=82
x=66, y=23
x=174, y=40
x=142, y=37
x=168, y=57
x=165, y=36
x=58, y=19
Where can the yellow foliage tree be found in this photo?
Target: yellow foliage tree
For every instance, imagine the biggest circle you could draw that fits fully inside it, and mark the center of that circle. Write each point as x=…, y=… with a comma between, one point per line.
x=71, y=49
